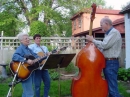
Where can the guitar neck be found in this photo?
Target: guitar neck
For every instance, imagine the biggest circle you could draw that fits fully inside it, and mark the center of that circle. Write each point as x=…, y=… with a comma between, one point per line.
x=40, y=59
x=45, y=57
x=61, y=49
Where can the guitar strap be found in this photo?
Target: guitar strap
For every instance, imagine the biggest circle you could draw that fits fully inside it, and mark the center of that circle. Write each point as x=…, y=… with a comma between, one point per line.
x=42, y=50
x=44, y=55
x=29, y=51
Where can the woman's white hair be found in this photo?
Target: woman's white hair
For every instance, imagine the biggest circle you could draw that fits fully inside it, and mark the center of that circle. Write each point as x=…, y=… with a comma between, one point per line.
x=20, y=36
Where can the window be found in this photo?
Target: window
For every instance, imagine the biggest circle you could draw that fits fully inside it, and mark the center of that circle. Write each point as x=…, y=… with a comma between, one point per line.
x=74, y=24
x=79, y=22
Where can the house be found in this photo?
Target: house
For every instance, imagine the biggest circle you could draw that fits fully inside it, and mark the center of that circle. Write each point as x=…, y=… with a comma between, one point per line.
x=98, y=33
x=81, y=21
x=126, y=12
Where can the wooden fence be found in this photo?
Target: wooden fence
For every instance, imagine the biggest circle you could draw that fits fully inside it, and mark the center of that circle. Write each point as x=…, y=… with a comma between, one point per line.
x=9, y=44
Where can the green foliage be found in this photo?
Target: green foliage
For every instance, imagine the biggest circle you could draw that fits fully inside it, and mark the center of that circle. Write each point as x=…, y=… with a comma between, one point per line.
x=50, y=48
x=9, y=21
x=54, y=74
x=124, y=74
x=71, y=68
x=123, y=86
x=54, y=90
x=38, y=27
x=56, y=15
x=8, y=24
x=8, y=71
x=65, y=88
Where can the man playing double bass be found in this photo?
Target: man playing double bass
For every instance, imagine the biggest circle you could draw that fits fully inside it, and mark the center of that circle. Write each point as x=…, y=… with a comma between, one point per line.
x=111, y=48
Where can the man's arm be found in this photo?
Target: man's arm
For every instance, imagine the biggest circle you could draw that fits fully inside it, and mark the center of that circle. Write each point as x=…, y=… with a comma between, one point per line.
x=18, y=55
x=107, y=42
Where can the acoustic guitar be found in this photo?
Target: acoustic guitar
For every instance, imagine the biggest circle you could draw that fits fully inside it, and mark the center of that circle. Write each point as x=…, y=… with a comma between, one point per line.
x=25, y=69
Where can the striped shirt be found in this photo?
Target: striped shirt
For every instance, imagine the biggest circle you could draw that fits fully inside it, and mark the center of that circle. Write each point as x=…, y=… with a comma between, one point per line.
x=111, y=44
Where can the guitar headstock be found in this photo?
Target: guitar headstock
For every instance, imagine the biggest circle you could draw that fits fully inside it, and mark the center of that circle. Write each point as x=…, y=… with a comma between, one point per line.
x=63, y=48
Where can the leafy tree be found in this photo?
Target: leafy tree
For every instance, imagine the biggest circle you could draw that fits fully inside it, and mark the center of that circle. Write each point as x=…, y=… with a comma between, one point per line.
x=9, y=24
x=38, y=27
x=56, y=14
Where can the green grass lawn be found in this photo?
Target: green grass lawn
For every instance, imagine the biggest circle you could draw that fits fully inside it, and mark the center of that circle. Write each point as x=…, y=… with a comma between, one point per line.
x=62, y=88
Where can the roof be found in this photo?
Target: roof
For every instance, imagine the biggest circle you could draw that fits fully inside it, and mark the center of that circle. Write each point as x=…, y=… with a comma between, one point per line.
x=87, y=10
x=125, y=9
x=98, y=11
x=118, y=21
x=107, y=11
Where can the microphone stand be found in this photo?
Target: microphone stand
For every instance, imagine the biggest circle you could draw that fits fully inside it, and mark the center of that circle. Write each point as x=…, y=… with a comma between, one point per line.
x=13, y=83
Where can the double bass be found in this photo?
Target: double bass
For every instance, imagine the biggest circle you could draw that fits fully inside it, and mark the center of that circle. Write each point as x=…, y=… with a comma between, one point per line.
x=90, y=61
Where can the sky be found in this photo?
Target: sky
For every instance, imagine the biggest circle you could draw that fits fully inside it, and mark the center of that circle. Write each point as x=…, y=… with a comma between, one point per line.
x=116, y=4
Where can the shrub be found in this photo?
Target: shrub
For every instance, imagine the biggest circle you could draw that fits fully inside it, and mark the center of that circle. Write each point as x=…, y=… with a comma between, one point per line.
x=124, y=74
x=71, y=68
x=54, y=75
